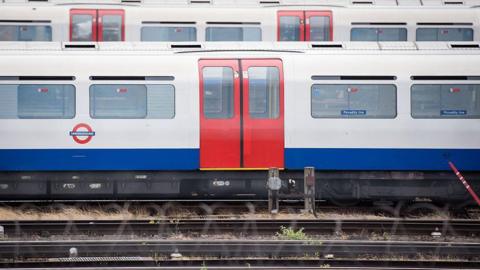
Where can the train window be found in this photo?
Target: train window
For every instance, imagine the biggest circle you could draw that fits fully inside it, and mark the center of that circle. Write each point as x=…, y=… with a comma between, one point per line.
x=319, y=28
x=161, y=101
x=37, y=101
x=263, y=92
x=218, y=92
x=233, y=34
x=112, y=27
x=169, y=33
x=132, y=101
x=82, y=27
x=445, y=101
x=444, y=34
x=290, y=29
x=25, y=33
x=118, y=101
x=378, y=34
x=353, y=101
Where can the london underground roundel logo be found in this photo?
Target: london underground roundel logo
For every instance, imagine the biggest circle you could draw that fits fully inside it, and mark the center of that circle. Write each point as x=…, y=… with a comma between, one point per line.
x=82, y=133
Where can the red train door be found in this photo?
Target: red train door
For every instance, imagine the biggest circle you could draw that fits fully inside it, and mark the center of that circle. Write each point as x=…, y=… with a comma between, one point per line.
x=241, y=114
x=263, y=130
x=97, y=25
x=219, y=114
x=293, y=25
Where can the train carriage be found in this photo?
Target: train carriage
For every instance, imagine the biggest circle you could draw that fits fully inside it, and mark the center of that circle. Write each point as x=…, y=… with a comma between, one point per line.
x=163, y=121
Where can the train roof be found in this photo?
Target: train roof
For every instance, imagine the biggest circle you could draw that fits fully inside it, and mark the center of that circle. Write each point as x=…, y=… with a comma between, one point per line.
x=254, y=47
x=260, y=3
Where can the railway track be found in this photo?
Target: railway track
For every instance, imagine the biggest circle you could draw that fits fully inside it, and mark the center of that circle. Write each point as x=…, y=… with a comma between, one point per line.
x=231, y=248
x=14, y=229
x=229, y=264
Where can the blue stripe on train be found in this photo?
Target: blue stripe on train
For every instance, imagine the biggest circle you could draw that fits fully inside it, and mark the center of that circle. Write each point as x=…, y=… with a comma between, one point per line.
x=188, y=159
x=99, y=159
x=382, y=159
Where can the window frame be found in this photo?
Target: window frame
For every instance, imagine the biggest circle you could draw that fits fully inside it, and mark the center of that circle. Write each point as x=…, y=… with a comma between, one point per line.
x=440, y=117
x=17, y=117
x=377, y=28
x=146, y=100
x=243, y=26
x=168, y=25
x=439, y=27
x=48, y=25
x=359, y=116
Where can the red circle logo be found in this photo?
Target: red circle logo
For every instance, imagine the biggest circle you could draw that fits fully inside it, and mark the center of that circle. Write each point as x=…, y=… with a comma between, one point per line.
x=82, y=133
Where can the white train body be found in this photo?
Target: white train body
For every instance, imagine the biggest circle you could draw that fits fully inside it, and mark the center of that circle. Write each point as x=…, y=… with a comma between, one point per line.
x=399, y=141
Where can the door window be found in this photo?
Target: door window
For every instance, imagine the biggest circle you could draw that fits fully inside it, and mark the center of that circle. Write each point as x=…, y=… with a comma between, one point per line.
x=82, y=27
x=263, y=95
x=218, y=92
x=112, y=27
x=319, y=28
x=290, y=28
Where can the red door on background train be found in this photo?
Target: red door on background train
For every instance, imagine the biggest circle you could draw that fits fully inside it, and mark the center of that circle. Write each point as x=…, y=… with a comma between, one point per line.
x=97, y=25
x=300, y=25
x=241, y=114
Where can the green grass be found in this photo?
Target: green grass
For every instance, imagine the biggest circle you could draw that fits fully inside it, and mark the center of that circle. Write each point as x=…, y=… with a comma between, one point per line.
x=291, y=234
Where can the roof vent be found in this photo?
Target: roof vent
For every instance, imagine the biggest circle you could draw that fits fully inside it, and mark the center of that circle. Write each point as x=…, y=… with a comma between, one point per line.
x=327, y=46
x=73, y=46
x=200, y=1
x=267, y=2
x=464, y=46
x=362, y=2
x=451, y=3
x=185, y=46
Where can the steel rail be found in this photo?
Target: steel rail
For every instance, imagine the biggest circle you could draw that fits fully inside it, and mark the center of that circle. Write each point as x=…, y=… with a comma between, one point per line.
x=250, y=227
x=229, y=264
x=231, y=248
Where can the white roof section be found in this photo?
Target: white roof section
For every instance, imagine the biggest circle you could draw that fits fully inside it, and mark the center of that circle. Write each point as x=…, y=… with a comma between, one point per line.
x=282, y=47
x=342, y=3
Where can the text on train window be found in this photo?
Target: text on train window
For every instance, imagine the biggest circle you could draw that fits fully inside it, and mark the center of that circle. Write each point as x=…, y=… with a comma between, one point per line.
x=445, y=101
x=37, y=101
x=378, y=34
x=353, y=101
x=132, y=101
x=444, y=34
x=25, y=33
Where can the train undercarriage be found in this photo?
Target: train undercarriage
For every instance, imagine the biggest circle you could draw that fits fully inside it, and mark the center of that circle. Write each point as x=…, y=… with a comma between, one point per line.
x=334, y=186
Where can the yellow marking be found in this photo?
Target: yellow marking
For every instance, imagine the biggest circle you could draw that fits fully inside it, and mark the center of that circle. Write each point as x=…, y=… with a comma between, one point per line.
x=237, y=169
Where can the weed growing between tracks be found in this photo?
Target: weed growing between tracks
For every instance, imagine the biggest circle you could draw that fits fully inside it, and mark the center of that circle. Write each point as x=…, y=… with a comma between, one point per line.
x=288, y=233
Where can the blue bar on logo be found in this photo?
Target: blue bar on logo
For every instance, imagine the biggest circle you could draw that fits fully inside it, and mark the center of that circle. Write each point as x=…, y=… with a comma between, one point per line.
x=82, y=133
